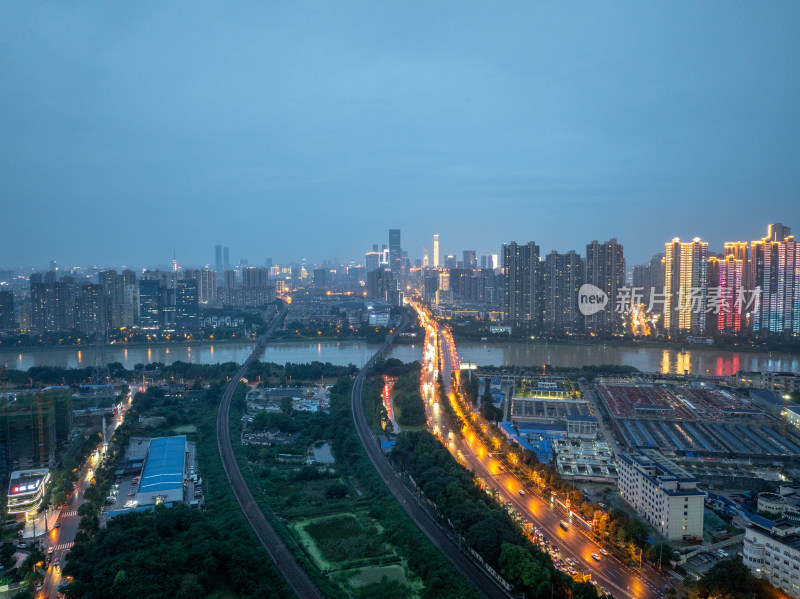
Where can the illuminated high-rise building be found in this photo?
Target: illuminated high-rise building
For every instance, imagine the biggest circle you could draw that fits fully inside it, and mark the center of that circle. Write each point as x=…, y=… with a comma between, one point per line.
x=725, y=294
x=775, y=277
x=436, y=251
x=685, y=286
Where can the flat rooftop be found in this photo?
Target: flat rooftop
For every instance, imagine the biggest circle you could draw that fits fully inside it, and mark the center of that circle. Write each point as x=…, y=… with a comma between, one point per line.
x=164, y=465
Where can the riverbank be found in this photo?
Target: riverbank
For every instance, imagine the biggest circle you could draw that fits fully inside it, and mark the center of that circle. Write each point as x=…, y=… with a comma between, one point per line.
x=663, y=345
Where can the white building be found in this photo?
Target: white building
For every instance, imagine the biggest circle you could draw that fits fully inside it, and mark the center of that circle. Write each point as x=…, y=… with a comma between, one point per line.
x=26, y=489
x=774, y=554
x=662, y=492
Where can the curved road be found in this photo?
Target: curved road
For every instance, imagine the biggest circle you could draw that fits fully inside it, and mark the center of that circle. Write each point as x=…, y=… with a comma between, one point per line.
x=297, y=578
x=441, y=540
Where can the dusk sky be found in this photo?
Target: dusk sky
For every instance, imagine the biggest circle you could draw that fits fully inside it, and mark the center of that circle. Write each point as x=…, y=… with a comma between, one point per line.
x=307, y=130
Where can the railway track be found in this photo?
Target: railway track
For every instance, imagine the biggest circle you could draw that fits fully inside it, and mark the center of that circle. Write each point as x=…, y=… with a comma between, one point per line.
x=295, y=576
x=421, y=517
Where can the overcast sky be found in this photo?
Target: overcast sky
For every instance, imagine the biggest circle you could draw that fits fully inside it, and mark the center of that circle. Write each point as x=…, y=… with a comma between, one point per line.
x=306, y=130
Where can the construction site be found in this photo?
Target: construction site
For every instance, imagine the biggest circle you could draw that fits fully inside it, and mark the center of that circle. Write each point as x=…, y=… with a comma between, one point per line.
x=32, y=424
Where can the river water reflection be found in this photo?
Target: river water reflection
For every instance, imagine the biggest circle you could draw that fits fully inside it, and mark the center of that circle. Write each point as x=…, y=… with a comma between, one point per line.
x=648, y=359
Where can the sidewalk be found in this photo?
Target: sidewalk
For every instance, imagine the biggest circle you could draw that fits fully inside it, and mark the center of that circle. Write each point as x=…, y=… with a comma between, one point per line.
x=41, y=525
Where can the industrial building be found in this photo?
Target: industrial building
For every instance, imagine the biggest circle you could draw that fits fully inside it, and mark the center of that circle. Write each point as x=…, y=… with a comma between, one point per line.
x=162, y=479
x=663, y=493
x=700, y=422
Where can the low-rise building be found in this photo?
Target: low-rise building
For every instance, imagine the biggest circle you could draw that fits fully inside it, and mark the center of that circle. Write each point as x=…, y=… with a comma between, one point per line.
x=25, y=490
x=772, y=551
x=780, y=382
x=662, y=492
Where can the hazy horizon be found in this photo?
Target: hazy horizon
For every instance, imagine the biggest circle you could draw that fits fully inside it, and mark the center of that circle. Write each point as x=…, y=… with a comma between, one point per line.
x=291, y=131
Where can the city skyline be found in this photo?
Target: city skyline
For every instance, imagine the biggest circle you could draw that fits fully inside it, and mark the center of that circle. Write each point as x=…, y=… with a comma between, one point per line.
x=491, y=125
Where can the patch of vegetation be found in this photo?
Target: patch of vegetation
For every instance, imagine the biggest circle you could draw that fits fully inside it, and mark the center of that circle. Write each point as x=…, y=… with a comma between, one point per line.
x=342, y=537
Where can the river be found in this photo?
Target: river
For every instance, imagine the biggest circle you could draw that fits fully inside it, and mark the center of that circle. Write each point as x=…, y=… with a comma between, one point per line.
x=511, y=354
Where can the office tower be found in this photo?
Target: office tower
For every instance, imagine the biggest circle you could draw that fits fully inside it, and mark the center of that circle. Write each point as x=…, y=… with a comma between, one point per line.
x=522, y=285
x=436, y=251
x=254, y=277
x=685, y=286
x=450, y=261
x=724, y=310
x=187, y=311
x=92, y=309
x=469, y=259
x=395, y=252
x=495, y=262
x=7, y=319
x=775, y=276
x=373, y=259
x=425, y=259
x=561, y=280
x=604, y=267
x=226, y=258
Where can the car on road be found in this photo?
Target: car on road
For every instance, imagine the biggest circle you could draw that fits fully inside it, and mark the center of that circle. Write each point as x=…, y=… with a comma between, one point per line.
x=57, y=525
x=55, y=563
x=564, y=524
x=596, y=557
x=521, y=492
x=603, y=551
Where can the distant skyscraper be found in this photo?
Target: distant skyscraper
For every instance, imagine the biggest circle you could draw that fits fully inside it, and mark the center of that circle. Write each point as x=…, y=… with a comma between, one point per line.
x=7, y=319
x=604, y=267
x=775, y=274
x=206, y=281
x=373, y=259
x=150, y=303
x=218, y=258
x=561, y=280
x=92, y=309
x=469, y=259
x=685, y=286
x=254, y=277
x=523, y=285
x=395, y=251
x=436, y=251
x=187, y=311
x=226, y=258
x=425, y=258
x=321, y=277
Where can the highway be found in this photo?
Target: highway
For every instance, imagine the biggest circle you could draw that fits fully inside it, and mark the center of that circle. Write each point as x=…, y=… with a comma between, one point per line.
x=610, y=573
x=298, y=580
x=419, y=514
